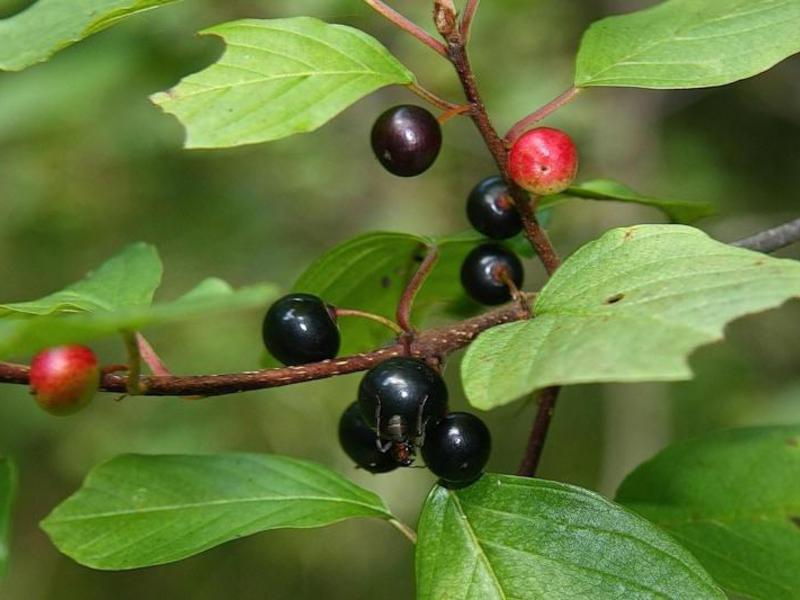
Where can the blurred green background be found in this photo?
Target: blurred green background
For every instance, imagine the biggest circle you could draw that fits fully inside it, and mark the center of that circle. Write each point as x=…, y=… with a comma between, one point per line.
x=88, y=165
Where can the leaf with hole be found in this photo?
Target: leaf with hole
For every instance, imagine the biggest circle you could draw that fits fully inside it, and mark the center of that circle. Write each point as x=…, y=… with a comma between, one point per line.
x=733, y=499
x=277, y=78
x=46, y=27
x=631, y=306
x=689, y=44
x=138, y=511
x=513, y=537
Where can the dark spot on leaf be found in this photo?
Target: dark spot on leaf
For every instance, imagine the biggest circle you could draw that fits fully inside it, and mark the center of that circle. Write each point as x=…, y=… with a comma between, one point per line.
x=795, y=520
x=759, y=262
x=629, y=235
x=386, y=282
x=615, y=298
x=793, y=442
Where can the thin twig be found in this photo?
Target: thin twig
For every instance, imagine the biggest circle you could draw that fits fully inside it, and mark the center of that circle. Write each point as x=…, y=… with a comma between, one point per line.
x=526, y=123
x=413, y=287
x=408, y=26
x=429, y=96
x=538, y=437
x=466, y=20
x=133, y=379
x=388, y=323
x=151, y=358
x=772, y=239
x=406, y=530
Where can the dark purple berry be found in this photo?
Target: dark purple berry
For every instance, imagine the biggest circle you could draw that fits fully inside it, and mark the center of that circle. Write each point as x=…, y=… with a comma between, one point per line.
x=491, y=210
x=482, y=273
x=359, y=442
x=300, y=329
x=406, y=140
x=457, y=448
x=406, y=394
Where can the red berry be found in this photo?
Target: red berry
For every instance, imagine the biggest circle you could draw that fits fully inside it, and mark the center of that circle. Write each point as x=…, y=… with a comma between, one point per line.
x=543, y=161
x=64, y=379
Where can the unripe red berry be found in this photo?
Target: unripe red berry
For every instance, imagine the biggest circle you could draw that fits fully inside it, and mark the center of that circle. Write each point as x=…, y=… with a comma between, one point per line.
x=543, y=161
x=64, y=379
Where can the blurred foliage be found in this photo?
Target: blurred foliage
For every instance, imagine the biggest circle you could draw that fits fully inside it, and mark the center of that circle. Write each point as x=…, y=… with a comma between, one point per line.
x=89, y=165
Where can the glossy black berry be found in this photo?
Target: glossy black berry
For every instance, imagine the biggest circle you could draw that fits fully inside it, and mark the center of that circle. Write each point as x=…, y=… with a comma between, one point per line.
x=457, y=448
x=491, y=211
x=406, y=140
x=406, y=394
x=300, y=329
x=481, y=273
x=359, y=442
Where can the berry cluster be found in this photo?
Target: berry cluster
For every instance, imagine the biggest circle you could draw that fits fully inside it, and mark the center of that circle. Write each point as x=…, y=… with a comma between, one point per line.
x=402, y=403
x=407, y=139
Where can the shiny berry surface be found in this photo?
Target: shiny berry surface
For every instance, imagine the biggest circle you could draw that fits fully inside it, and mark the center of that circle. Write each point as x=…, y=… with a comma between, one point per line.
x=399, y=386
x=491, y=211
x=543, y=161
x=64, y=379
x=359, y=442
x=457, y=448
x=300, y=329
x=481, y=273
x=406, y=140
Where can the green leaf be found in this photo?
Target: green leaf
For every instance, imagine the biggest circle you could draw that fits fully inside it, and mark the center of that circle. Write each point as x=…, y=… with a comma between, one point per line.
x=277, y=78
x=512, y=537
x=23, y=336
x=678, y=211
x=8, y=489
x=138, y=511
x=128, y=279
x=689, y=44
x=631, y=306
x=733, y=499
x=370, y=272
x=48, y=26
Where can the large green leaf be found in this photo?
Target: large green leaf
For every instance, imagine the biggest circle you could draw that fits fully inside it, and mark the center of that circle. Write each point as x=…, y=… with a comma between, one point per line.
x=678, y=211
x=128, y=279
x=276, y=78
x=8, y=489
x=631, y=306
x=24, y=336
x=689, y=44
x=733, y=499
x=138, y=511
x=370, y=272
x=43, y=29
x=512, y=537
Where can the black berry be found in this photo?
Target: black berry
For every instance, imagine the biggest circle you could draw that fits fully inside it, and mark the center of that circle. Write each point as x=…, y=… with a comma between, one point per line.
x=481, y=273
x=359, y=442
x=457, y=448
x=300, y=329
x=406, y=139
x=406, y=394
x=491, y=211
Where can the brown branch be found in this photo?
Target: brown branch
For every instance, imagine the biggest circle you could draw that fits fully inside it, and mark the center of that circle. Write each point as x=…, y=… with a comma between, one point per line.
x=413, y=287
x=431, y=343
x=541, y=425
x=533, y=231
